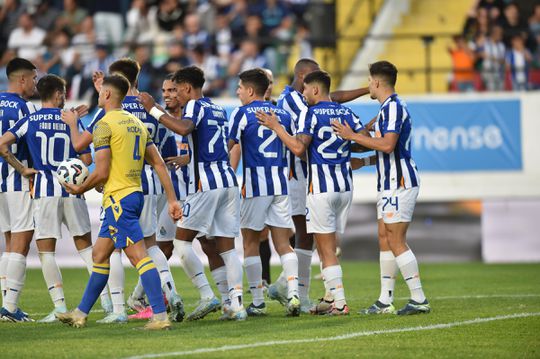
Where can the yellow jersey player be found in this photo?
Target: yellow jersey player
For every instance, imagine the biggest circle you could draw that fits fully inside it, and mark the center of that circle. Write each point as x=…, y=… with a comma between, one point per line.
x=122, y=144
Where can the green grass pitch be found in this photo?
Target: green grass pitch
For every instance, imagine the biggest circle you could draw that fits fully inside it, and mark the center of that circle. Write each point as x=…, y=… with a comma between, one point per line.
x=458, y=294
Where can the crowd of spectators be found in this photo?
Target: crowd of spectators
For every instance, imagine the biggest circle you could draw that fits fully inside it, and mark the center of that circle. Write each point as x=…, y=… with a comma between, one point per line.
x=74, y=38
x=499, y=49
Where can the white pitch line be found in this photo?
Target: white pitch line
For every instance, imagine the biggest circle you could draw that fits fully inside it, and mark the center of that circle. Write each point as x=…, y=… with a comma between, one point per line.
x=40, y=314
x=338, y=337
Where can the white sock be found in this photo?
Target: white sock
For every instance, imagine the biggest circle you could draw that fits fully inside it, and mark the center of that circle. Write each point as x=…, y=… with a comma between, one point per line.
x=16, y=274
x=408, y=266
x=220, y=277
x=193, y=267
x=3, y=270
x=304, y=272
x=234, y=277
x=281, y=282
x=86, y=255
x=116, y=283
x=162, y=265
x=327, y=293
x=334, y=280
x=389, y=270
x=53, y=278
x=138, y=291
x=253, y=267
x=289, y=262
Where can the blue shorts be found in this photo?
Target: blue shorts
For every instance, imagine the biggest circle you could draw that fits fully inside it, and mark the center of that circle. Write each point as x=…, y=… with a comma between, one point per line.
x=121, y=221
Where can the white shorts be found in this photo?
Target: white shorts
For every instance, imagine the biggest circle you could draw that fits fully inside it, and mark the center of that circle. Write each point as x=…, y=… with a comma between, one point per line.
x=16, y=212
x=51, y=212
x=166, y=230
x=297, y=195
x=397, y=205
x=256, y=212
x=148, y=220
x=214, y=213
x=327, y=212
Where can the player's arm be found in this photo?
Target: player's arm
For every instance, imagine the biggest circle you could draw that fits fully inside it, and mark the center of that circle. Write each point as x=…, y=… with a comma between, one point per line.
x=153, y=157
x=86, y=158
x=98, y=176
x=296, y=144
x=80, y=141
x=5, y=142
x=179, y=126
x=385, y=144
x=235, y=152
x=348, y=95
x=177, y=161
x=357, y=163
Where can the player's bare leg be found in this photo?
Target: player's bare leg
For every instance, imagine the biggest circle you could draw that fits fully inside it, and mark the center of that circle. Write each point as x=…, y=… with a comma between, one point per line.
x=194, y=269
x=217, y=269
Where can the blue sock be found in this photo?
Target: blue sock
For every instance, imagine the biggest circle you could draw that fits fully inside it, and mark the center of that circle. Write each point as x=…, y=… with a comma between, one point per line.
x=96, y=283
x=151, y=284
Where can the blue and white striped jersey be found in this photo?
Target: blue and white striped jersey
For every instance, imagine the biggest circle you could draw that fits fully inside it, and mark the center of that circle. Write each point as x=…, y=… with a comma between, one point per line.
x=329, y=159
x=396, y=169
x=174, y=145
x=49, y=144
x=12, y=108
x=294, y=103
x=133, y=106
x=264, y=157
x=209, y=166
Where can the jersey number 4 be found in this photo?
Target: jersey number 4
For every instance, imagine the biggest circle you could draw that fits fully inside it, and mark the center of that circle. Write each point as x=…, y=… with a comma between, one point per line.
x=136, y=149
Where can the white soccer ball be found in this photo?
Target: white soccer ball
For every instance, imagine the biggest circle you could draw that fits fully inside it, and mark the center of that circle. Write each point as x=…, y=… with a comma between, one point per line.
x=72, y=171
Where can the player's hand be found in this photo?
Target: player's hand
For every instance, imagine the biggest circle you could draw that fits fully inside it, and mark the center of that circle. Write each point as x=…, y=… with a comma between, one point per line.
x=70, y=117
x=177, y=161
x=29, y=173
x=357, y=163
x=81, y=110
x=175, y=211
x=99, y=188
x=343, y=131
x=73, y=188
x=269, y=120
x=146, y=100
x=97, y=79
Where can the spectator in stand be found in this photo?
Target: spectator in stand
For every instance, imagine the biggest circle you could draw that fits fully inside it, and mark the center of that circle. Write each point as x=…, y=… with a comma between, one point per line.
x=177, y=57
x=72, y=17
x=100, y=62
x=142, y=26
x=518, y=60
x=477, y=26
x=237, y=17
x=247, y=57
x=10, y=12
x=213, y=71
x=493, y=7
x=302, y=39
x=46, y=15
x=108, y=21
x=170, y=13
x=59, y=55
x=222, y=38
x=194, y=36
x=462, y=64
x=298, y=8
x=27, y=38
x=534, y=21
x=148, y=73
x=7, y=56
x=493, y=54
x=272, y=14
x=513, y=24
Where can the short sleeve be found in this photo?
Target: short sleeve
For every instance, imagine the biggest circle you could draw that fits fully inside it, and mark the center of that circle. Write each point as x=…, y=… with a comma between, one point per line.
x=192, y=112
x=306, y=123
x=237, y=124
x=98, y=116
x=355, y=122
x=393, y=115
x=20, y=128
x=102, y=136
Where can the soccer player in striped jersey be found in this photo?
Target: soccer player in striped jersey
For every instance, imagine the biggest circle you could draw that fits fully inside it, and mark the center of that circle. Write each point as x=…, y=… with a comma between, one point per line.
x=292, y=100
x=398, y=184
x=191, y=264
x=47, y=138
x=212, y=203
x=122, y=144
x=329, y=181
x=16, y=220
x=130, y=70
x=265, y=200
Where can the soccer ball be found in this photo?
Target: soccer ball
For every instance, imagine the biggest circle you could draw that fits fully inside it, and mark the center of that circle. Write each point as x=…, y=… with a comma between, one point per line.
x=72, y=171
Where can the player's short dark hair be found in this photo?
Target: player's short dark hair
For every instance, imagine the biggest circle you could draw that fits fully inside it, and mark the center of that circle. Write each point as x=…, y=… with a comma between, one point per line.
x=257, y=79
x=320, y=77
x=18, y=64
x=386, y=70
x=191, y=75
x=304, y=64
x=169, y=77
x=48, y=85
x=129, y=68
x=119, y=83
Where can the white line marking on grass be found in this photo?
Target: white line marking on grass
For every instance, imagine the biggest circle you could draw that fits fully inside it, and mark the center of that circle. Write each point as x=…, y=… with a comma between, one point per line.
x=338, y=337
x=40, y=314
x=480, y=296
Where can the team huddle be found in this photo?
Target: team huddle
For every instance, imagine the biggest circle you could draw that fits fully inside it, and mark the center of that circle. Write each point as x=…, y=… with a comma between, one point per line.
x=168, y=177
